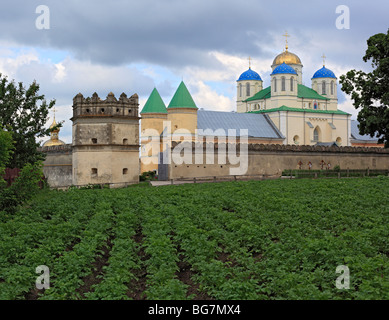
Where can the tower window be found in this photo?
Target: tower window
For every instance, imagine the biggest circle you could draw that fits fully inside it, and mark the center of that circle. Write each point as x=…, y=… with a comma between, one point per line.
x=275, y=85
x=291, y=84
x=94, y=171
x=125, y=171
x=102, y=110
x=117, y=109
x=125, y=141
x=283, y=84
x=94, y=140
x=129, y=110
x=323, y=88
x=87, y=110
x=332, y=87
x=240, y=89
x=247, y=89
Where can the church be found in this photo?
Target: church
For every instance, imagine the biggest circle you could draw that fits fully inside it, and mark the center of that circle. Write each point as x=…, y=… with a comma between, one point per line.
x=286, y=112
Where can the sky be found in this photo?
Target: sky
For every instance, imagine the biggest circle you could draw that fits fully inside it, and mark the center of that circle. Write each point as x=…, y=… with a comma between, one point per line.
x=134, y=46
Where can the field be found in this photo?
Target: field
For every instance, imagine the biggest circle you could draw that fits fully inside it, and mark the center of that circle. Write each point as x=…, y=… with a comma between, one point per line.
x=234, y=240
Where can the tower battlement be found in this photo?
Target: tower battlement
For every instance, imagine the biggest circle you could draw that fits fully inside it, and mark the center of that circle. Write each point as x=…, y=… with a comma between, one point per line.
x=110, y=107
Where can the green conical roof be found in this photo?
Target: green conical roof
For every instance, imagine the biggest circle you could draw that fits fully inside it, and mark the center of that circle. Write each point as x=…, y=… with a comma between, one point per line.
x=182, y=98
x=154, y=104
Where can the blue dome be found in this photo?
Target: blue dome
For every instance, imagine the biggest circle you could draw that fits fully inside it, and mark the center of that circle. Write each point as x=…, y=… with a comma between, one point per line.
x=284, y=68
x=249, y=75
x=324, y=73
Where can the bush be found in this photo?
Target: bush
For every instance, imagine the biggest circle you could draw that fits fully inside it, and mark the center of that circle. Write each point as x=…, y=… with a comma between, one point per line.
x=23, y=189
x=147, y=176
x=337, y=168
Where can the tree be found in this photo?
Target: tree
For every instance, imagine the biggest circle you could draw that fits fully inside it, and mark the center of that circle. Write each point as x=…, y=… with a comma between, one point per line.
x=6, y=146
x=370, y=91
x=24, y=113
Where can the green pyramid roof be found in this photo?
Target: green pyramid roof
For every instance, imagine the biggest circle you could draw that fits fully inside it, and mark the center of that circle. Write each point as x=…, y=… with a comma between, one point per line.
x=154, y=104
x=182, y=98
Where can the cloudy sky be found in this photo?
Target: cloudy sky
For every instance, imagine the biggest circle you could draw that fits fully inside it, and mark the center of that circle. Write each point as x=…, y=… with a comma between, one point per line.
x=133, y=46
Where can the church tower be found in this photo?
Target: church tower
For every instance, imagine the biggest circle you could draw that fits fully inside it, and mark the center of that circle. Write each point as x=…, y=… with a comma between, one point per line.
x=105, y=140
x=324, y=82
x=248, y=84
x=154, y=115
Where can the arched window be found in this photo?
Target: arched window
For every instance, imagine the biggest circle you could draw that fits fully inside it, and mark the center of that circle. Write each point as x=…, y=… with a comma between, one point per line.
x=247, y=89
x=291, y=83
x=332, y=87
x=316, y=136
x=283, y=84
x=240, y=89
x=323, y=88
x=275, y=84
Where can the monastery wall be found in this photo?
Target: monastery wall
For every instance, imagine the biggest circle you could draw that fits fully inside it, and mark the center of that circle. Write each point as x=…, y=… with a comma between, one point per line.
x=57, y=167
x=272, y=159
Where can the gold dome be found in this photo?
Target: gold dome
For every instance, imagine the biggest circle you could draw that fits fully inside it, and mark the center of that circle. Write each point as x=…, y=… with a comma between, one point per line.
x=53, y=142
x=287, y=57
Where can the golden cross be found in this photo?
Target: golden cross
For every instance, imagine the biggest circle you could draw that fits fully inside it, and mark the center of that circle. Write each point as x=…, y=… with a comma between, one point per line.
x=324, y=59
x=54, y=111
x=249, y=59
x=286, y=35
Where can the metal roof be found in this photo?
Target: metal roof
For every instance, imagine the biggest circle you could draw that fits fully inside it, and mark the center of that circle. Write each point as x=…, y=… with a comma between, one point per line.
x=249, y=75
x=258, y=125
x=355, y=133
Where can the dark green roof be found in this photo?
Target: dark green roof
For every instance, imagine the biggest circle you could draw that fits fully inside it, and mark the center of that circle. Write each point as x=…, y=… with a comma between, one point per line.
x=285, y=108
x=182, y=98
x=308, y=93
x=263, y=94
x=302, y=92
x=154, y=104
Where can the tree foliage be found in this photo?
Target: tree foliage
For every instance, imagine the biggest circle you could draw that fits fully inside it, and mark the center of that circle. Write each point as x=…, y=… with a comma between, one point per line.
x=24, y=112
x=370, y=91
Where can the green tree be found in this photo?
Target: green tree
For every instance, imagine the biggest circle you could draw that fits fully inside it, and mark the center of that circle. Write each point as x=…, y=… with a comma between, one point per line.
x=370, y=91
x=6, y=146
x=24, y=112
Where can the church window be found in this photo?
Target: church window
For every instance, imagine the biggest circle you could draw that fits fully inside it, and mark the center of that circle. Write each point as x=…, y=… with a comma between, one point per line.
x=125, y=141
x=323, y=88
x=332, y=87
x=275, y=85
x=240, y=89
x=296, y=139
x=283, y=84
x=291, y=83
x=316, y=135
x=102, y=110
x=247, y=89
x=94, y=140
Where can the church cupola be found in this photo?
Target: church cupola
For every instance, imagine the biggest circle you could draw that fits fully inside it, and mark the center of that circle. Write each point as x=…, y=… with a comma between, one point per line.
x=248, y=84
x=290, y=59
x=324, y=82
x=284, y=81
